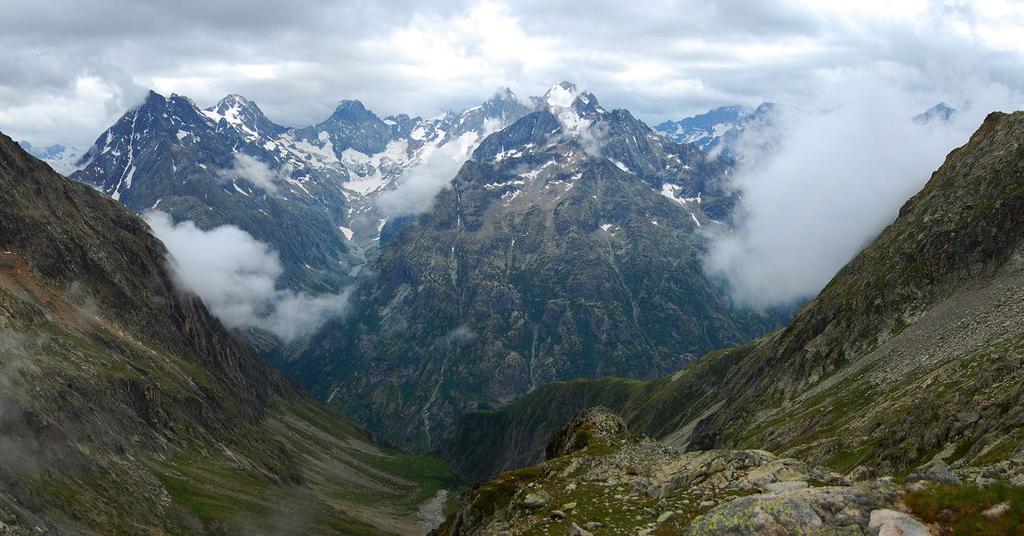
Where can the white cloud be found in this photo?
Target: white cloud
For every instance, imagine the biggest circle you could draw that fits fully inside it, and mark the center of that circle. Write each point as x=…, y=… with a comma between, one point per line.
x=236, y=277
x=252, y=170
x=419, y=184
x=841, y=173
x=298, y=59
x=594, y=138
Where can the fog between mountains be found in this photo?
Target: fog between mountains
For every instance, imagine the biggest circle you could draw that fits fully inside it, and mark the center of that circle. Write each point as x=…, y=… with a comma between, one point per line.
x=236, y=277
x=822, y=182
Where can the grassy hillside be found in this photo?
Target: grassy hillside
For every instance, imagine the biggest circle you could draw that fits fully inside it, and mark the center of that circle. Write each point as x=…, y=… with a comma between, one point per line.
x=126, y=408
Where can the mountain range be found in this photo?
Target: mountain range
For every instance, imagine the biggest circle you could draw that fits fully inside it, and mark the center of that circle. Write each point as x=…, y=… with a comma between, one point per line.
x=899, y=383
x=61, y=158
x=307, y=192
x=718, y=130
x=535, y=263
x=569, y=245
x=528, y=301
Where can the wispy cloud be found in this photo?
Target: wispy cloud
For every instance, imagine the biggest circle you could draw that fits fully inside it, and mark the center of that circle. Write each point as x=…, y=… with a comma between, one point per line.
x=253, y=171
x=837, y=173
x=419, y=184
x=236, y=277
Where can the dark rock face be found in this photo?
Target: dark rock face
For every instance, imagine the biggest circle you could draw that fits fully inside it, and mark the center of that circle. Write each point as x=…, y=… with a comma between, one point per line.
x=569, y=246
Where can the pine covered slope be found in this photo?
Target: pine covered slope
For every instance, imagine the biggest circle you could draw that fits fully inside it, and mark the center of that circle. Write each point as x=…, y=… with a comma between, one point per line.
x=126, y=408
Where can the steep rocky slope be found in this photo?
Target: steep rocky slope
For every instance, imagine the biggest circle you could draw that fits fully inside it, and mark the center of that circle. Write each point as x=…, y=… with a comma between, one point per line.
x=126, y=408
x=912, y=352
x=915, y=346
x=568, y=246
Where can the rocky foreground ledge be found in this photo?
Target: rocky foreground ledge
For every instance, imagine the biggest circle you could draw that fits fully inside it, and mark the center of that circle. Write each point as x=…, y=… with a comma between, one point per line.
x=598, y=479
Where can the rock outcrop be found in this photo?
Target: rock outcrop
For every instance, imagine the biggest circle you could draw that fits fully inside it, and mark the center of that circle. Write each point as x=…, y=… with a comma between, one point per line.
x=622, y=485
x=597, y=426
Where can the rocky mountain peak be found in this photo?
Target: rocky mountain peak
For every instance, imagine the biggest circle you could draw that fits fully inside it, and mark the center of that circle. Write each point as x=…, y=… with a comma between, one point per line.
x=565, y=100
x=941, y=113
x=154, y=99
x=352, y=110
x=505, y=93
x=232, y=100
x=595, y=426
x=244, y=116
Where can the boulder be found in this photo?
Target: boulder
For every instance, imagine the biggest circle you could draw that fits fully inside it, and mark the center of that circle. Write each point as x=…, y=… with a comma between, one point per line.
x=997, y=511
x=825, y=510
x=535, y=500
x=936, y=471
x=576, y=530
x=885, y=522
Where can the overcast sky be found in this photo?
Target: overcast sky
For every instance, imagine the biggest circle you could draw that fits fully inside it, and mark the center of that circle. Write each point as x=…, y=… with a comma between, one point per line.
x=70, y=67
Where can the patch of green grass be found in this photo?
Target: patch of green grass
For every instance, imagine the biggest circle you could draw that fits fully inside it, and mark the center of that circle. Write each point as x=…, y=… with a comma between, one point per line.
x=428, y=473
x=961, y=450
x=844, y=461
x=959, y=508
x=202, y=502
x=498, y=493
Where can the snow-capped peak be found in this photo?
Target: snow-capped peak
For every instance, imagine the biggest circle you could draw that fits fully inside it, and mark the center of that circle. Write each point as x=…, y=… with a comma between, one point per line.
x=561, y=95
x=243, y=115
x=233, y=100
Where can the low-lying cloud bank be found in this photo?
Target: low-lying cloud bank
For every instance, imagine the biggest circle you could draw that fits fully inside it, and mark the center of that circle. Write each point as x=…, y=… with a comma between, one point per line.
x=236, y=277
x=836, y=173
